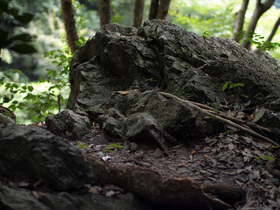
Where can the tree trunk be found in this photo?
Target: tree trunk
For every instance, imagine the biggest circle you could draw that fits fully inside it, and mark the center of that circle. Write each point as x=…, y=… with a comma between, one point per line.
x=260, y=9
x=70, y=25
x=163, y=9
x=153, y=9
x=275, y=27
x=104, y=12
x=240, y=21
x=138, y=13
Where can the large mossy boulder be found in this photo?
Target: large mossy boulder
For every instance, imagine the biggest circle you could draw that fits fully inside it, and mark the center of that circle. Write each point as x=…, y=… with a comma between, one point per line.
x=119, y=64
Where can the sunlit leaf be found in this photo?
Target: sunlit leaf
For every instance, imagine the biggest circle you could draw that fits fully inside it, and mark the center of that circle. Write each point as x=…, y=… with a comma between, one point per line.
x=225, y=85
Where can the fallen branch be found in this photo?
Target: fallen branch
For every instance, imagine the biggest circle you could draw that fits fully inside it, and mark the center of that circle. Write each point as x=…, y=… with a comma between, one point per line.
x=215, y=116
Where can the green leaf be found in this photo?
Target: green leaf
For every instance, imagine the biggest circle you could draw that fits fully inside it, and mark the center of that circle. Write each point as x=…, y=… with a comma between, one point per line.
x=269, y=158
x=30, y=96
x=30, y=88
x=116, y=145
x=225, y=85
x=12, y=107
x=8, y=85
x=6, y=99
x=23, y=48
x=236, y=85
x=14, y=86
x=24, y=18
x=25, y=37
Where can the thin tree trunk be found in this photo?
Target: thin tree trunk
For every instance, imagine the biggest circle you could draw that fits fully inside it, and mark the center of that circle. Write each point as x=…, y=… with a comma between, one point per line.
x=163, y=9
x=153, y=9
x=70, y=25
x=138, y=13
x=273, y=32
x=260, y=9
x=104, y=12
x=240, y=21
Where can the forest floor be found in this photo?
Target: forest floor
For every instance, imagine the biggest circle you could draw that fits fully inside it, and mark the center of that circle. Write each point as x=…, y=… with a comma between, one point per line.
x=234, y=159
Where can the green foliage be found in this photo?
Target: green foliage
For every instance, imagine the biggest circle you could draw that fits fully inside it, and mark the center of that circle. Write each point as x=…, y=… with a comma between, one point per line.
x=259, y=41
x=10, y=20
x=230, y=85
x=216, y=18
x=39, y=104
x=117, y=17
x=35, y=102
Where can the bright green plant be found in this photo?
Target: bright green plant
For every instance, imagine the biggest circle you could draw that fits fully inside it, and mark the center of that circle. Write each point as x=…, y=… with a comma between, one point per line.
x=236, y=87
x=230, y=85
x=82, y=146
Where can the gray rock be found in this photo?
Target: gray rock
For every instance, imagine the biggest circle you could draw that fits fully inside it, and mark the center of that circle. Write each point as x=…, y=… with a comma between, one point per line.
x=22, y=199
x=32, y=154
x=177, y=118
x=68, y=124
x=163, y=56
x=15, y=199
x=142, y=127
x=113, y=127
x=268, y=119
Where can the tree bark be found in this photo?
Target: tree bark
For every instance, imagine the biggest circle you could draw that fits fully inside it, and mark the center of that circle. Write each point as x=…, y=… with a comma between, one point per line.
x=260, y=9
x=240, y=21
x=70, y=25
x=138, y=13
x=163, y=9
x=153, y=9
x=273, y=32
x=104, y=12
